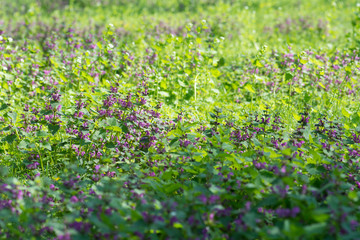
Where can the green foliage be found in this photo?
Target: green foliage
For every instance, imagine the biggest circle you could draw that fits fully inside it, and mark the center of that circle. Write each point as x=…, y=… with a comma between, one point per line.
x=179, y=119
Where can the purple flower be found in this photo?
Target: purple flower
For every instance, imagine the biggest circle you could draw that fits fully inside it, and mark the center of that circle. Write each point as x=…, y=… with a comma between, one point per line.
x=283, y=169
x=66, y=236
x=74, y=199
x=33, y=166
x=213, y=199
x=80, y=226
x=248, y=205
x=173, y=220
x=354, y=224
x=203, y=198
x=295, y=211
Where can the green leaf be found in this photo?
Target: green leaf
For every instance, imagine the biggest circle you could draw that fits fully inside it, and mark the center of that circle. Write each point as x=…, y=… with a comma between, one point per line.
x=322, y=85
x=114, y=128
x=170, y=188
x=216, y=190
x=164, y=94
x=297, y=117
x=256, y=141
x=41, y=133
x=181, y=83
x=250, y=219
x=112, y=122
x=349, y=86
x=9, y=138
x=345, y=113
x=273, y=154
x=3, y=106
x=177, y=225
x=353, y=196
x=249, y=88
x=8, y=76
x=124, y=128
x=307, y=132
x=221, y=62
x=13, y=116
x=215, y=90
x=46, y=145
x=227, y=146
x=316, y=228
x=257, y=63
x=269, y=201
x=286, y=151
x=216, y=73
x=213, y=115
x=53, y=128
x=23, y=144
x=167, y=175
x=320, y=214
x=288, y=76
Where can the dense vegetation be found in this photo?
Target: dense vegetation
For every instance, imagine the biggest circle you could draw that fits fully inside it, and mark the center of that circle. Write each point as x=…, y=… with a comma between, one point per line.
x=179, y=119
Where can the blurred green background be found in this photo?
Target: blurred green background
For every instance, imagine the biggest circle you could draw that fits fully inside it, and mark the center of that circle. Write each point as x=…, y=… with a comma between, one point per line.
x=246, y=25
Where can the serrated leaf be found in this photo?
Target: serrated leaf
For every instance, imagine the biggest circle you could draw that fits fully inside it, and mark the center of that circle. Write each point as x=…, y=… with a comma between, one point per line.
x=112, y=122
x=46, y=145
x=307, y=132
x=114, y=128
x=53, y=128
x=3, y=106
x=227, y=146
x=13, y=116
x=9, y=138
x=23, y=144
x=41, y=133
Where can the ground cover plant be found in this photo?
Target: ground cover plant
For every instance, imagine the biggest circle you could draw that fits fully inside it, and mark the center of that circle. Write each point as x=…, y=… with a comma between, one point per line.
x=179, y=119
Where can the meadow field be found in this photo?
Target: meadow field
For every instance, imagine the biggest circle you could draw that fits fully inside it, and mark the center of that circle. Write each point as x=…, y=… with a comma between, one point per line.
x=164, y=119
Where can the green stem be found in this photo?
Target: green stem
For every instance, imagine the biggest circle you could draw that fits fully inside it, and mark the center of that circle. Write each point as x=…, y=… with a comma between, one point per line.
x=41, y=160
x=195, y=85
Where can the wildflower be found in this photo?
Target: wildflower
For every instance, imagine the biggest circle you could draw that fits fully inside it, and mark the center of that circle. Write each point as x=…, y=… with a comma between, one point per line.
x=74, y=199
